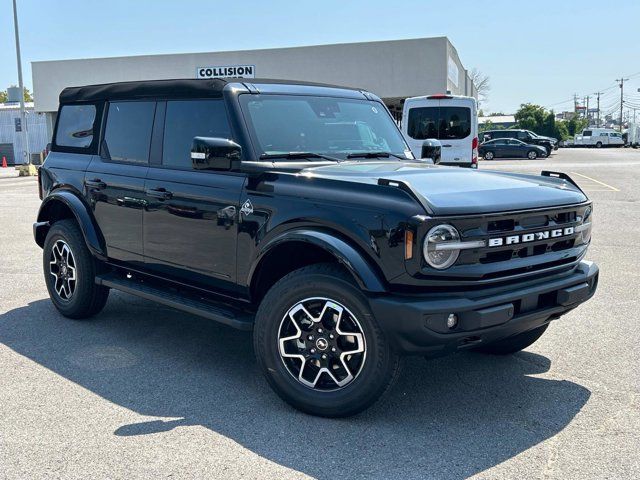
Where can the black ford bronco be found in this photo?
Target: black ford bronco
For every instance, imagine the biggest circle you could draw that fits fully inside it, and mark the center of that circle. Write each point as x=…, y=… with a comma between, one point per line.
x=297, y=211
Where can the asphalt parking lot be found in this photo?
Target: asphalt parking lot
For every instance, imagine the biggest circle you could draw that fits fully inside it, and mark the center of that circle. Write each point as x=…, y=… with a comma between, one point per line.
x=143, y=391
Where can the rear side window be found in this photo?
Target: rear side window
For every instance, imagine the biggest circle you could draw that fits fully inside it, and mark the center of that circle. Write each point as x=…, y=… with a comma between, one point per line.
x=127, y=135
x=187, y=119
x=442, y=123
x=75, y=126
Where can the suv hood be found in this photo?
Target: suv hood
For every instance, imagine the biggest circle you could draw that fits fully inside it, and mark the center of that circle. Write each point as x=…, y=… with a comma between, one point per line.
x=454, y=190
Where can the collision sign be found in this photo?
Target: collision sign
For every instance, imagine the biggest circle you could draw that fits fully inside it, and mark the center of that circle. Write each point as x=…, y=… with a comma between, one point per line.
x=242, y=71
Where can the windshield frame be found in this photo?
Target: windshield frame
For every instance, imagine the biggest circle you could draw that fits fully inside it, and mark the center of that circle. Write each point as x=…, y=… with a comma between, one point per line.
x=256, y=148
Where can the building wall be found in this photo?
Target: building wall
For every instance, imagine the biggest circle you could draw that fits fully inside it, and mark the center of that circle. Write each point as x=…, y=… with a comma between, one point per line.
x=36, y=126
x=391, y=69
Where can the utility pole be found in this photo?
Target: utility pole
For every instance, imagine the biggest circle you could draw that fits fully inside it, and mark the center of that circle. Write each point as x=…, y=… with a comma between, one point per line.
x=23, y=117
x=586, y=112
x=575, y=103
x=621, y=80
x=598, y=112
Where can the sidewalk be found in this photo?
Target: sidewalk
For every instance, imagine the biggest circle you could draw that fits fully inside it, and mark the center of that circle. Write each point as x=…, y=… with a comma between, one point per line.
x=8, y=172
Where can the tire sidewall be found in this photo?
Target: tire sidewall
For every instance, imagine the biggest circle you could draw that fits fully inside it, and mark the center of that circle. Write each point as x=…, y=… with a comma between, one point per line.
x=368, y=384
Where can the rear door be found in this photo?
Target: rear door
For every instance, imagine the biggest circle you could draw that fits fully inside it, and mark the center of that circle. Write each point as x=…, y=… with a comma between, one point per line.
x=191, y=219
x=456, y=130
x=420, y=122
x=114, y=181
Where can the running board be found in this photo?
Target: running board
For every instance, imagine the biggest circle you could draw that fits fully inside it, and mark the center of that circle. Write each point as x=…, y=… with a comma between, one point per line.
x=185, y=301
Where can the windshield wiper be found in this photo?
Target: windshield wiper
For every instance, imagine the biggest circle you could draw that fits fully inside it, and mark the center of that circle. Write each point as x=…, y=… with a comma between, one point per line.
x=375, y=155
x=296, y=155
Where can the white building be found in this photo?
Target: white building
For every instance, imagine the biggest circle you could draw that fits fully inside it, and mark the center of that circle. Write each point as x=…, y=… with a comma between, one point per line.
x=12, y=145
x=394, y=70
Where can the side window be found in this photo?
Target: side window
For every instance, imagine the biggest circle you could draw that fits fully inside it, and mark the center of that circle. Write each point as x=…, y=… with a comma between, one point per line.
x=127, y=134
x=586, y=133
x=423, y=123
x=186, y=119
x=522, y=135
x=75, y=126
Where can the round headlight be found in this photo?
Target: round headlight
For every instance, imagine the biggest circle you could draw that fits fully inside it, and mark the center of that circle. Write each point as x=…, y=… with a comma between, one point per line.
x=437, y=249
x=586, y=226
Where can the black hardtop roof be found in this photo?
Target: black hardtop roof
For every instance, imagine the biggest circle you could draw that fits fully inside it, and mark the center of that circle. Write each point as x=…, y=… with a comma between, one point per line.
x=176, y=88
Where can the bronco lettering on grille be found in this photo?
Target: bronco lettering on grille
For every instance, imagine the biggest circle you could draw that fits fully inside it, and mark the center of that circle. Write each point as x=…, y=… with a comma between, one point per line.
x=531, y=237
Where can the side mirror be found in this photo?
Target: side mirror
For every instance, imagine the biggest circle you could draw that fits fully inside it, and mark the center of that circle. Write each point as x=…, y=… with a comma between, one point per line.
x=432, y=149
x=214, y=153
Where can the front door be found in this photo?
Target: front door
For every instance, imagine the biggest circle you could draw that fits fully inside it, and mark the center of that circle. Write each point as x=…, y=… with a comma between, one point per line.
x=191, y=217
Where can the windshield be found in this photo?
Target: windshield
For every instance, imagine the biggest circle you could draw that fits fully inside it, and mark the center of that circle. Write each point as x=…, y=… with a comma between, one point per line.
x=335, y=127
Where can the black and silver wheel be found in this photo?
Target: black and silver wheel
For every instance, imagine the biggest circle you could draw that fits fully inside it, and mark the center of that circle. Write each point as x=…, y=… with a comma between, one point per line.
x=319, y=345
x=489, y=155
x=70, y=270
x=532, y=154
x=599, y=145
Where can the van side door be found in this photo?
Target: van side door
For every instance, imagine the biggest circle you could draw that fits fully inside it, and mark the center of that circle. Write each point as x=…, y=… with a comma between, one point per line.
x=114, y=180
x=191, y=218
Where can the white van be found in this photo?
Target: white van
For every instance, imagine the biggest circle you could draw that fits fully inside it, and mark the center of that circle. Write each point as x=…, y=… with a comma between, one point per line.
x=599, y=137
x=452, y=119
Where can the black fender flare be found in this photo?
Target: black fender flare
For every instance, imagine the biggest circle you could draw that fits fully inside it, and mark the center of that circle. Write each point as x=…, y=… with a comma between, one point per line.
x=355, y=262
x=81, y=212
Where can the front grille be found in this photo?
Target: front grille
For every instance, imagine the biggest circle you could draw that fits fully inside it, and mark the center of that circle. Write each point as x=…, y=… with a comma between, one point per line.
x=513, y=258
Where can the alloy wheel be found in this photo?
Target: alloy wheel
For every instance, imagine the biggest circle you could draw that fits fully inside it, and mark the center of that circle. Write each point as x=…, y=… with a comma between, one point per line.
x=321, y=344
x=62, y=266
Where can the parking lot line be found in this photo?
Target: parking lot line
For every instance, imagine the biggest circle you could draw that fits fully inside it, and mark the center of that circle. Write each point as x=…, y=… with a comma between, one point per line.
x=596, y=181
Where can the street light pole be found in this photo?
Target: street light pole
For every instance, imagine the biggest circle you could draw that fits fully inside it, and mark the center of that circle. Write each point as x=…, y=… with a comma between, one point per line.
x=23, y=117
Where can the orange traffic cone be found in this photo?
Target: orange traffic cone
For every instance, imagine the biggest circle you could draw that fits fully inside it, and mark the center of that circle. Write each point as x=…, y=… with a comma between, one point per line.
x=4, y=162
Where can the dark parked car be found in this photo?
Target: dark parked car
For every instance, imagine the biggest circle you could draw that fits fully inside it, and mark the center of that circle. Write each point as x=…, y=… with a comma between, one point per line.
x=298, y=212
x=526, y=136
x=510, y=148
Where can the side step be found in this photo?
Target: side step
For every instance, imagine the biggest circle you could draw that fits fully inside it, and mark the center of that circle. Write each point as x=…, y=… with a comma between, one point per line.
x=185, y=301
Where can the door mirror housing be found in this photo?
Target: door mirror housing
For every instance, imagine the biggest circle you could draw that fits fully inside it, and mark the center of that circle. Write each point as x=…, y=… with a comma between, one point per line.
x=213, y=153
x=432, y=148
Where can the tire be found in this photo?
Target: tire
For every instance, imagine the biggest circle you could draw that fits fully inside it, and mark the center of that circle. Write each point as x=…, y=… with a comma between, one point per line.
x=532, y=154
x=78, y=297
x=489, y=155
x=515, y=343
x=322, y=287
x=599, y=145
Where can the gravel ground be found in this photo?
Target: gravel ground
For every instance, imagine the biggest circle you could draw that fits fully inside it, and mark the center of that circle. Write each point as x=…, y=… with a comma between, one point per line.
x=143, y=391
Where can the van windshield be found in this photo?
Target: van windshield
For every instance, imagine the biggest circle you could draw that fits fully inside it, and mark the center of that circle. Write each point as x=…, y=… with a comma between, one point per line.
x=442, y=123
x=333, y=127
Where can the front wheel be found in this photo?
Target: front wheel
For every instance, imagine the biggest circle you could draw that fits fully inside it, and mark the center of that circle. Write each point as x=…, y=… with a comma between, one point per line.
x=515, y=343
x=319, y=345
x=70, y=271
x=599, y=145
x=532, y=154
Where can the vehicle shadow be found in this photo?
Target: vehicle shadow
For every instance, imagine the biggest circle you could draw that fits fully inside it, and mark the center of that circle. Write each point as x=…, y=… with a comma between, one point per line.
x=451, y=417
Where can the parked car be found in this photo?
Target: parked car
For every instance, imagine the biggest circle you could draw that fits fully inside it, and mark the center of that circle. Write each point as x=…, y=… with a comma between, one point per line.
x=298, y=212
x=510, y=148
x=526, y=136
x=452, y=119
x=598, y=138
x=633, y=135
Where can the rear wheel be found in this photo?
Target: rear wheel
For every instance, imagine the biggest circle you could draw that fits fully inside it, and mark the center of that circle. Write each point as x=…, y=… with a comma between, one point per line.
x=532, y=154
x=70, y=271
x=319, y=345
x=599, y=145
x=514, y=344
x=489, y=155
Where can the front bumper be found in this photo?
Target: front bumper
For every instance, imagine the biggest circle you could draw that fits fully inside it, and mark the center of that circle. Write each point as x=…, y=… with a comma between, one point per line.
x=416, y=324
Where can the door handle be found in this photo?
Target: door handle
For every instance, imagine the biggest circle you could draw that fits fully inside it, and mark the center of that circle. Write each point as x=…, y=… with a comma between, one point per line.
x=95, y=183
x=160, y=193
x=447, y=145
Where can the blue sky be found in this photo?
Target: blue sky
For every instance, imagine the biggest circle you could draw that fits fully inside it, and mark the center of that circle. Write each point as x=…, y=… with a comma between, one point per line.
x=541, y=52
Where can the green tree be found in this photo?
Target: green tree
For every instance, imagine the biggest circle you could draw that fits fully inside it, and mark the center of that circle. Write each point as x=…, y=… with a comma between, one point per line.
x=27, y=95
